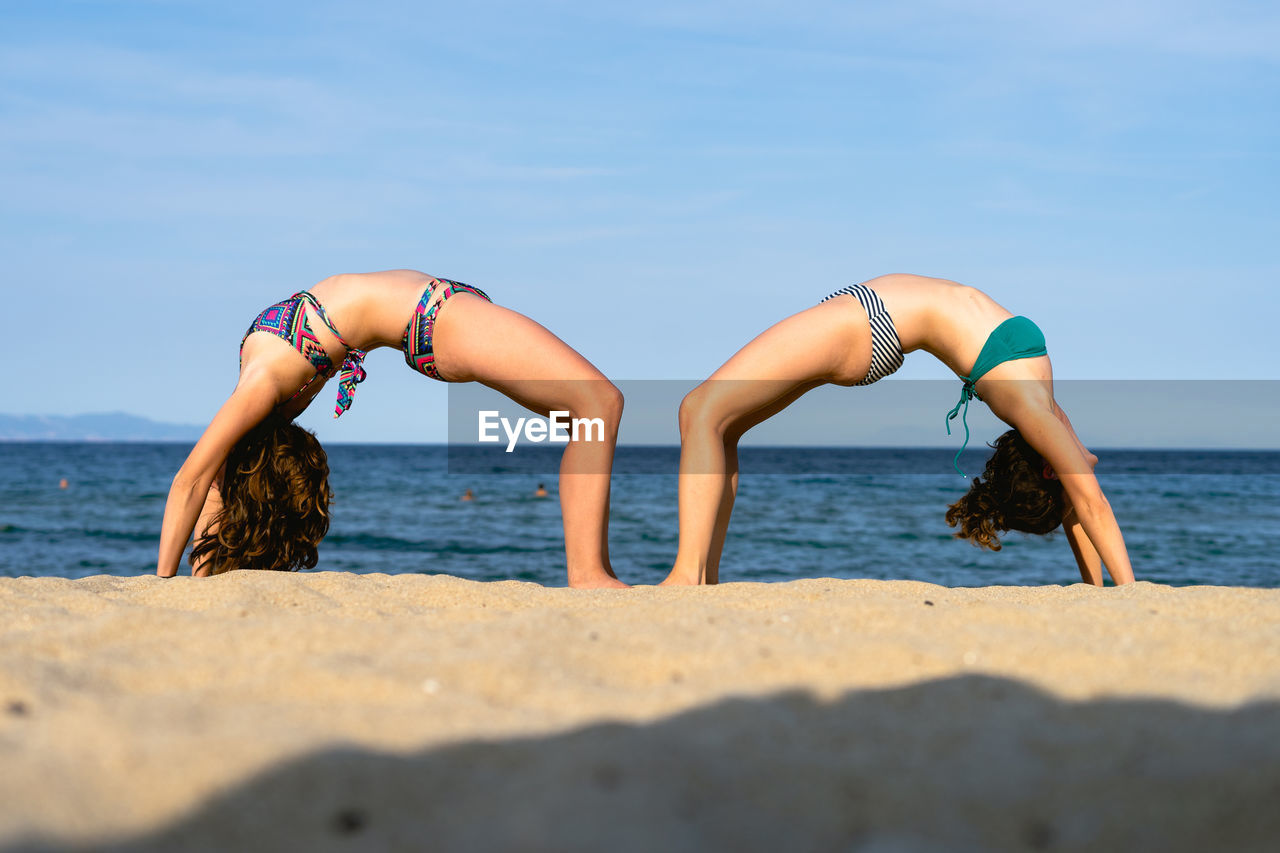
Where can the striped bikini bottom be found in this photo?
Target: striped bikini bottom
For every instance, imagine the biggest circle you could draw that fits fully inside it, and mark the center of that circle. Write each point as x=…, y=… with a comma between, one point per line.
x=419, y=352
x=886, y=348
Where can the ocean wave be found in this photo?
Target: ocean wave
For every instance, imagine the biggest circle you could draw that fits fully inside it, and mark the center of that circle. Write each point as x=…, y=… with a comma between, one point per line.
x=393, y=543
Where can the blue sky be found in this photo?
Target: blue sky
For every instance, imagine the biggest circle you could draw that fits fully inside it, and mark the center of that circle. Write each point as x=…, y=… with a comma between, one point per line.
x=654, y=182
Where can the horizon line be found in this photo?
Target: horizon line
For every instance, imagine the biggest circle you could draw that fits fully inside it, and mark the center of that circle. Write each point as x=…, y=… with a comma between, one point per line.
x=447, y=445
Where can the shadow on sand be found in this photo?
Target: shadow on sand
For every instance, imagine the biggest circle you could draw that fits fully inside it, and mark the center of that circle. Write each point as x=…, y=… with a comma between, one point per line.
x=964, y=763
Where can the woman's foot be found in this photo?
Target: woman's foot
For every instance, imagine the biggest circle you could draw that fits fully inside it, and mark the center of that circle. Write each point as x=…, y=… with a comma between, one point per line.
x=602, y=581
x=684, y=577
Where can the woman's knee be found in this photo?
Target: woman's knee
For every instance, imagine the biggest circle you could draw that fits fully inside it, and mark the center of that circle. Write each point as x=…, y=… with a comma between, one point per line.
x=610, y=399
x=698, y=411
x=598, y=398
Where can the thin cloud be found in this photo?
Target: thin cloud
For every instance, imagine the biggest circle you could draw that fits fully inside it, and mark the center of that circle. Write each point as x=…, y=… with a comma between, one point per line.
x=1203, y=28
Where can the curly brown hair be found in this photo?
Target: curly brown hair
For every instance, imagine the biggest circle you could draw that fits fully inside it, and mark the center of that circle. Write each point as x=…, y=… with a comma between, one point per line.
x=1011, y=494
x=275, y=502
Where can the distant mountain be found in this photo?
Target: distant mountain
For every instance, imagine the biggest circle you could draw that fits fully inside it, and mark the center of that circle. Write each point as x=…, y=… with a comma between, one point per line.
x=110, y=426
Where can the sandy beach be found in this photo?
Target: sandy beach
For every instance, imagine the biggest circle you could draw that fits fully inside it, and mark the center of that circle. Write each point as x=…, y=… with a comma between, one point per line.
x=336, y=711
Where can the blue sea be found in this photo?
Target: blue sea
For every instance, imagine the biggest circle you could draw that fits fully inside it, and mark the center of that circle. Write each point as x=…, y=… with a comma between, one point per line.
x=1189, y=517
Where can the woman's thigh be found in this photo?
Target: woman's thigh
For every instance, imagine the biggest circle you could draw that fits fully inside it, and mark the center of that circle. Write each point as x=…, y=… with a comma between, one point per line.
x=478, y=341
x=830, y=342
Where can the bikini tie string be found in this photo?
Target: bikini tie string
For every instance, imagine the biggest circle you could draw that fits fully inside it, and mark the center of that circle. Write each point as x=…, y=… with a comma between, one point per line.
x=353, y=373
x=967, y=393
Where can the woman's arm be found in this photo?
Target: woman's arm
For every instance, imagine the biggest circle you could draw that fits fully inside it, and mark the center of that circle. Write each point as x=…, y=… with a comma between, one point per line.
x=207, y=522
x=251, y=402
x=1098, y=535
x=1087, y=559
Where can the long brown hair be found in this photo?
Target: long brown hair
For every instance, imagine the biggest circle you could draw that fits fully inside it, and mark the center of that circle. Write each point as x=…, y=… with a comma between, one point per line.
x=275, y=502
x=1011, y=494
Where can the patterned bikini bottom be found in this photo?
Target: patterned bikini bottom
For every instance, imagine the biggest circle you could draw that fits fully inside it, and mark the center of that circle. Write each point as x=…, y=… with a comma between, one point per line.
x=418, y=350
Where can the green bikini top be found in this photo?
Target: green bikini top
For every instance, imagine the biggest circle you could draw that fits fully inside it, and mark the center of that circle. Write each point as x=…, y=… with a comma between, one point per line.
x=1013, y=339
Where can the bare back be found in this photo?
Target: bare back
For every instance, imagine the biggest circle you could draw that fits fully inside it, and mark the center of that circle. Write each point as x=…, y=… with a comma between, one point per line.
x=948, y=320
x=372, y=309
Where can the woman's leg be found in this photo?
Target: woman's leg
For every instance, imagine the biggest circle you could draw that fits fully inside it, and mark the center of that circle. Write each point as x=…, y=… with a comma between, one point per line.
x=830, y=342
x=478, y=341
x=724, y=511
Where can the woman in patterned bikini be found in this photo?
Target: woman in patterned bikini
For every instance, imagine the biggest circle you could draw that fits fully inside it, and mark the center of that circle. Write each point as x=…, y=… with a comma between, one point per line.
x=255, y=489
x=1039, y=478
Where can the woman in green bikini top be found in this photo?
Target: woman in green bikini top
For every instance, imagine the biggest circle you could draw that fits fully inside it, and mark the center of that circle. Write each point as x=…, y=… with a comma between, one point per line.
x=1040, y=476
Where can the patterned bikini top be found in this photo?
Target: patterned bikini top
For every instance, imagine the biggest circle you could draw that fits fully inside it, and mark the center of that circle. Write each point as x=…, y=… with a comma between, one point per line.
x=288, y=320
